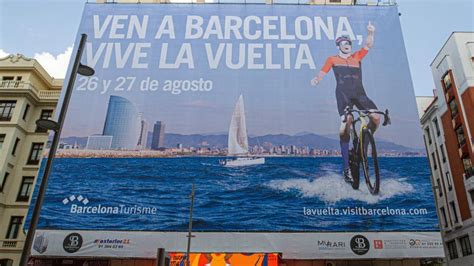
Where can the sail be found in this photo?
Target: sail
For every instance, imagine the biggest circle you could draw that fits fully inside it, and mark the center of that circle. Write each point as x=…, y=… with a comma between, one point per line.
x=238, y=141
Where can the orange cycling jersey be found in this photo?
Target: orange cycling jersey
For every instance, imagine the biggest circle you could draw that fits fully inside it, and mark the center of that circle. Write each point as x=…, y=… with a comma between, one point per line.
x=346, y=70
x=348, y=73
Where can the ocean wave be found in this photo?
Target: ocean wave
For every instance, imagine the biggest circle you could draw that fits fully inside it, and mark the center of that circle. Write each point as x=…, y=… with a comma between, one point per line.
x=331, y=188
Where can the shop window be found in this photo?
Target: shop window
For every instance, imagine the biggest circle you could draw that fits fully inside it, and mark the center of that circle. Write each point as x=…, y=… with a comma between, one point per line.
x=14, y=227
x=468, y=168
x=5, y=177
x=25, y=113
x=465, y=245
x=452, y=249
x=6, y=110
x=15, y=145
x=35, y=153
x=45, y=114
x=25, y=189
x=455, y=213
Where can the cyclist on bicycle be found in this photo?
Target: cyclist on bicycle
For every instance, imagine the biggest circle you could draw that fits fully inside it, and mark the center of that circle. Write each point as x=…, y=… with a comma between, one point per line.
x=349, y=90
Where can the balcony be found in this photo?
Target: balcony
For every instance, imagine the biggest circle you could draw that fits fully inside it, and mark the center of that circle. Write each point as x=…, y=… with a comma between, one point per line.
x=16, y=87
x=11, y=244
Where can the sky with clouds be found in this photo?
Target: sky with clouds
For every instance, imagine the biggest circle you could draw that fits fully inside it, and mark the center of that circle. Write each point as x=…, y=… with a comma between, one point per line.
x=45, y=30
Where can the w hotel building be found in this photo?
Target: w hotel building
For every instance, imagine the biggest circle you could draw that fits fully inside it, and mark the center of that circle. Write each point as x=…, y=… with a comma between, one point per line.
x=448, y=124
x=27, y=93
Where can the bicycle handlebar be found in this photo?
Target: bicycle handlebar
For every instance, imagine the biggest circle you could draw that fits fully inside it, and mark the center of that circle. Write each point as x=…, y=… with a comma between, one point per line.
x=386, y=117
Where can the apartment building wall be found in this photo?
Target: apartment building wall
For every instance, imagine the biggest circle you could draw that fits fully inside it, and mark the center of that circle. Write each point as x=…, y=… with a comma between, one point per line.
x=26, y=93
x=453, y=74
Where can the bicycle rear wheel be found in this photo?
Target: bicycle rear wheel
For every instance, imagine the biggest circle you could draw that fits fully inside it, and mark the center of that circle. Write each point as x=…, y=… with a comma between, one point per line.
x=370, y=162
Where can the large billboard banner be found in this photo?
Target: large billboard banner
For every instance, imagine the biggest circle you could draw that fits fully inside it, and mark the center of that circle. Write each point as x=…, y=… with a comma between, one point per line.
x=292, y=121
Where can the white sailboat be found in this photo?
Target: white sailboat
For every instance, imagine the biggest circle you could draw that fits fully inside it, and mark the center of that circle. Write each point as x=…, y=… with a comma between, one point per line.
x=238, y=145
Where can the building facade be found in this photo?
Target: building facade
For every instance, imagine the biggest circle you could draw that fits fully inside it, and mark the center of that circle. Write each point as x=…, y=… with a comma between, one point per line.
x=122, y=123
x=143, y=139
x=158, y=137
x=27, y=93
x=448, y=124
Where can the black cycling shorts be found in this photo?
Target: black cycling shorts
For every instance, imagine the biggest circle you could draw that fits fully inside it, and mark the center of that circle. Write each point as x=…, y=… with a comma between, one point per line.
x=350, y=98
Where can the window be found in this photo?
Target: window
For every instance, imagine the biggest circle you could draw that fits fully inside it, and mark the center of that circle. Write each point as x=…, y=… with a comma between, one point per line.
x=6, y=110
x=427, y=133
x=472, y=196
x=460, y=135
x=448, y=179
x=14, y=227
x=27, y=108
x=35, y=153
x=443, y=213
x=468, y=169
x=455, y=214
x=45, y=114
x=25, y=189
x=17, y=141
x=435, y=165
x=6, y=262
x=453, y=107
x=7, y=78
x=442, y=153
x=447, y=81
x=435, y=122
x=4, y=181
x=452, y=249
x=438, y=183
x=465, y=245
x=2, y=139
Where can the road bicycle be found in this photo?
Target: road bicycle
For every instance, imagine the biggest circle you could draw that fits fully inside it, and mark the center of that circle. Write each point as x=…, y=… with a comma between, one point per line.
x=364, y=150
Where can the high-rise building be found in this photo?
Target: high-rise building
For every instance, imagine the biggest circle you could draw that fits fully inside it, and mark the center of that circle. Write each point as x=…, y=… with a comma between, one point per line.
x=142, y=139
x=122, y=123
x=158, y=138
x=27, y=93
x=448, y=126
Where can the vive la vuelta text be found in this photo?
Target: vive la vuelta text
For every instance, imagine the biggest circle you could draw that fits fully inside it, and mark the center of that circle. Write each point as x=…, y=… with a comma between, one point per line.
x=234, y=42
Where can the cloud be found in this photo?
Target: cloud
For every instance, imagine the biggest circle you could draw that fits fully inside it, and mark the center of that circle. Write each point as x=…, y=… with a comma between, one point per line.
x=3, y=53
x=56, y=66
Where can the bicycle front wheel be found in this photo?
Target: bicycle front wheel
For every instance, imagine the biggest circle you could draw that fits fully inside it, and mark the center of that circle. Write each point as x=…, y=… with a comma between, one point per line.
x=370, y=162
